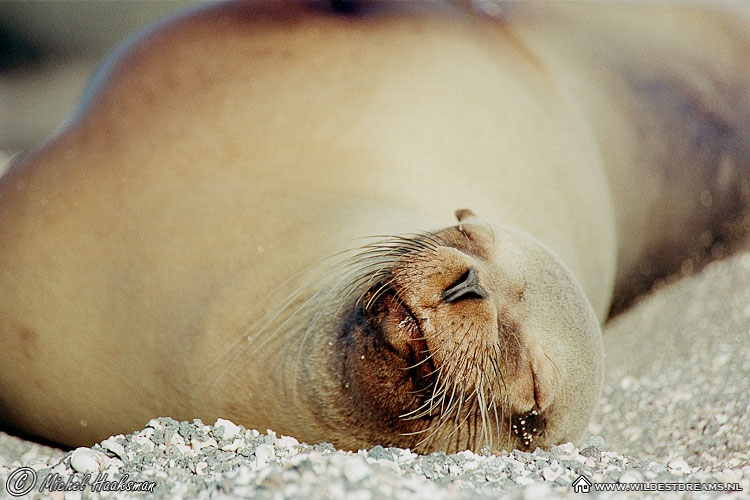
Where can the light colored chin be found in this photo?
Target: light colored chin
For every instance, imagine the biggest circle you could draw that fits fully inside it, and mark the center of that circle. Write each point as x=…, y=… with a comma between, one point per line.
x=562, y=334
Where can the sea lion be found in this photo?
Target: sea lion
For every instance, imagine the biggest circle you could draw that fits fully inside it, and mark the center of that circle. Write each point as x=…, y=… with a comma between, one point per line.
x=167, y=252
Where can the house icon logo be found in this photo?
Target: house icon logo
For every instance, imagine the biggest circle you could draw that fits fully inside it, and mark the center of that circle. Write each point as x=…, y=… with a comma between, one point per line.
x=581, y=485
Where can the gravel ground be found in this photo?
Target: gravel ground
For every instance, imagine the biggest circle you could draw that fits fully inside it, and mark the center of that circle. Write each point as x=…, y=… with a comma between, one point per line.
x=674, y=409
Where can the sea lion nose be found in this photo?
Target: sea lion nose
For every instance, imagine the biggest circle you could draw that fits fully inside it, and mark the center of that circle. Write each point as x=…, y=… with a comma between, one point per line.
x=465, y=287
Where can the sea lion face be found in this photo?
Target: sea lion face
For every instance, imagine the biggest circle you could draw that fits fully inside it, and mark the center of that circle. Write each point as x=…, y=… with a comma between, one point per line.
x=472, y=336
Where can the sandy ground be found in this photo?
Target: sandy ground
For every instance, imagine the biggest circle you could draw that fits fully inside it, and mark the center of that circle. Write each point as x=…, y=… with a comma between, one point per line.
x=678, y=371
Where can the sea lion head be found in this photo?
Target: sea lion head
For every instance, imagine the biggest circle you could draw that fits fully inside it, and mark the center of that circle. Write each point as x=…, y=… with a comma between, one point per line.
x=467, y=337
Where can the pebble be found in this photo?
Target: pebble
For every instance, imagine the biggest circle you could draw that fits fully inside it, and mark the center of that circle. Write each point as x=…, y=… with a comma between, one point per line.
x=88, y=460
x=112, y=444
x=198, y=444
x=678, y=466
x=230, y=429
x=287, y=442
x=550, y=474
x=356, y=470
x=263, y=453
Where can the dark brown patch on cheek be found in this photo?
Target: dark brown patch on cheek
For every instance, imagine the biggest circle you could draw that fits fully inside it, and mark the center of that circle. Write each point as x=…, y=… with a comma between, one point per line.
x=375, y=380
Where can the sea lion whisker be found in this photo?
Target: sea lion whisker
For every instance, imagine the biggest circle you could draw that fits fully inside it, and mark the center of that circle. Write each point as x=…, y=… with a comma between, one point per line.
x=489, y=227
x=432, y=237
x=320, y=312
x=457, y=426
x=276, y=310
x=269, y=317
x=245, y=336
x=498, y=369
x=432, y=353
x=481, y=402
x=493, y=406
x=375, y=296
x=438, y=397
x=455, y=372
x=313, y=297
x=417, y=239
x=504, y=398
x=410, y=241
x=432, y=386
x=244, y=350
x=426, y=408
x=495, y=363
x=399, y=243
x=454, y=407
x=492, y=410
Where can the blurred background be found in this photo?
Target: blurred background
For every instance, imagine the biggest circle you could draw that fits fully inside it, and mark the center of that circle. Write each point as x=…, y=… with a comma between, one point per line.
x=48, y=50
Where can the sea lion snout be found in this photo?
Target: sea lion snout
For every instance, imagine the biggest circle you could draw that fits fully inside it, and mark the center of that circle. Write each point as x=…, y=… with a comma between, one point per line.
x=443, y=344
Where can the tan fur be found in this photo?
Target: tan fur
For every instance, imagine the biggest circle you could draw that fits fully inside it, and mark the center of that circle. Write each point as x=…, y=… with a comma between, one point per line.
x=229, y=149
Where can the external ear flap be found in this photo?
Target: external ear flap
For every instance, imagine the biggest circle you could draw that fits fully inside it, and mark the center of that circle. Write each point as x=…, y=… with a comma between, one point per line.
x=464, y=213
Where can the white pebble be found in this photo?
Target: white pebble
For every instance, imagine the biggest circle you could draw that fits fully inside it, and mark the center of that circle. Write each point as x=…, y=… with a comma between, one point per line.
x=197, y=445
x=568, y=448
x=287, y=442
x=628, y=383
x=550, y=474
x=234, y=445
x=200, y=467
x=184, y=449
x=355, y=470
x=406, y=456
x=678, y=466
x=112, y=445
x=244, y=475
x=230, y=429
x=263, y=453
x=154, y=424
x=390, y=465
x=524, y=480
x=87, y=460
x=144, y=441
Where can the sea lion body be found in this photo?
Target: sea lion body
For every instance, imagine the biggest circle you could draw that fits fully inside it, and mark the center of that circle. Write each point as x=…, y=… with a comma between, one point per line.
x=150, y=254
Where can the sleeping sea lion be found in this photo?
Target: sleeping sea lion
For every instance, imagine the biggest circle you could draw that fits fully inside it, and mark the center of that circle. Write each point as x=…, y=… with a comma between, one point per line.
x=251, y=216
